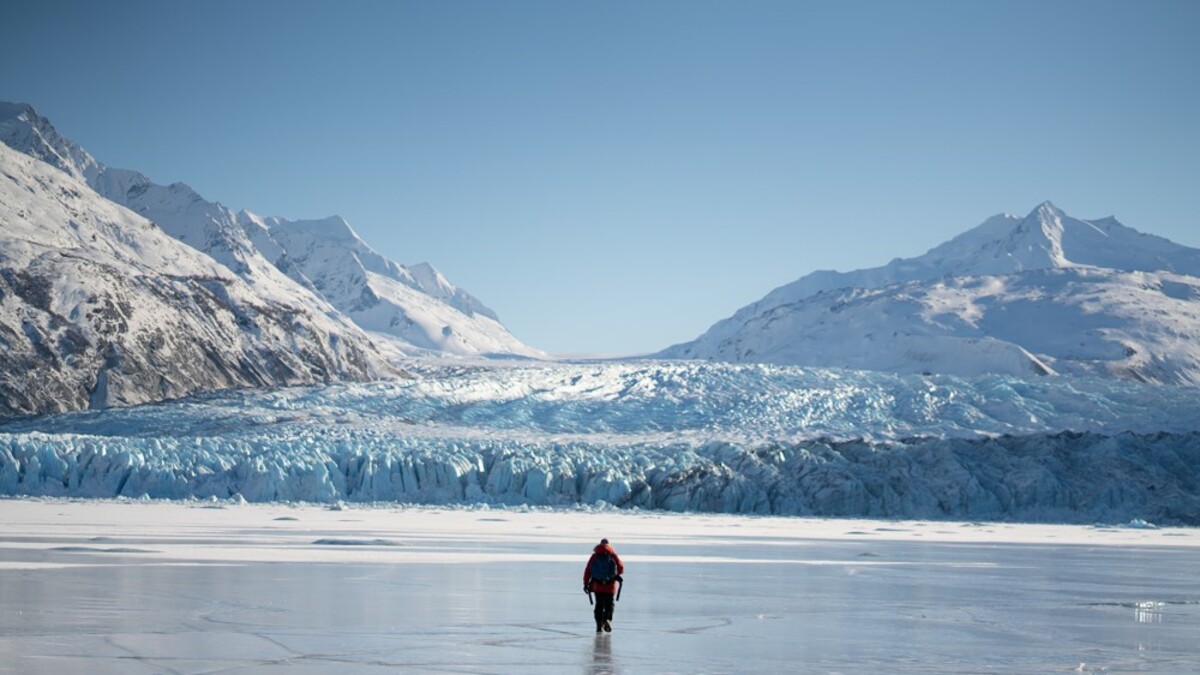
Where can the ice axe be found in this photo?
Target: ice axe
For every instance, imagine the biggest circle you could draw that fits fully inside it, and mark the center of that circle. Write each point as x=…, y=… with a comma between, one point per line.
x=620, y=587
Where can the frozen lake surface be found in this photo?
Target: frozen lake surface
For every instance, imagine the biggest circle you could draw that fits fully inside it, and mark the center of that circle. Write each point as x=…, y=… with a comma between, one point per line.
x=131, y=588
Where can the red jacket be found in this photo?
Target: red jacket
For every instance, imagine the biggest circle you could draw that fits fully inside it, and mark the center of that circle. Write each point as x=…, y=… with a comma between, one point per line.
x=587, y=571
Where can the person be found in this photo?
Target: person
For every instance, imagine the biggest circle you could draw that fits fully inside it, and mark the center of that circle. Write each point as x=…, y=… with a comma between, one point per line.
x=604, y=562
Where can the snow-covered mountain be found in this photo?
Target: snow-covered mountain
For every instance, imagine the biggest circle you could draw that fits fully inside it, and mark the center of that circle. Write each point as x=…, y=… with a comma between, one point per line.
x=1042, y=294
x=100, y=307
x=320, y=264
x=416, y=304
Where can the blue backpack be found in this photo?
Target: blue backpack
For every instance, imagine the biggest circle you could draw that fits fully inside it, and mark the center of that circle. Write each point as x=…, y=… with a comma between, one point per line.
x=603, y=569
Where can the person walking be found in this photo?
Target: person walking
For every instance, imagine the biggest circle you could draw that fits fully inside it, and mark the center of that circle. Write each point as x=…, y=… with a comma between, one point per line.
x=601, y=576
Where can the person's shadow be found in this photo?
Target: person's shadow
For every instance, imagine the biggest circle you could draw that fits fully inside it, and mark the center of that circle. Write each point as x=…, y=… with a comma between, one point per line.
x=602, y=658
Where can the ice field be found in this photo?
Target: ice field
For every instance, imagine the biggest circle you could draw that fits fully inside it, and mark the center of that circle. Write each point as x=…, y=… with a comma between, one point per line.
x=676, y=436
x=96, y=587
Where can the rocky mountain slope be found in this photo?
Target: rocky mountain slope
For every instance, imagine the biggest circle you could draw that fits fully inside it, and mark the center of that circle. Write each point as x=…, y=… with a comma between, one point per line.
x=100, y=307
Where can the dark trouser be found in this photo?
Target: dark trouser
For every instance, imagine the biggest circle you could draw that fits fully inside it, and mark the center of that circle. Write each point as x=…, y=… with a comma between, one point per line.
x=604, y=608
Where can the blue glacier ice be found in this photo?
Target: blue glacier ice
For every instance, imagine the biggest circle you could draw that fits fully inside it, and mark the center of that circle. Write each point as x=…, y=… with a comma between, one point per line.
x=654, y=435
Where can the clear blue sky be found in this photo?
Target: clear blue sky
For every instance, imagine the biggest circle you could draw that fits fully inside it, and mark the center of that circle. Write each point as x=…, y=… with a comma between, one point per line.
x=613, y=177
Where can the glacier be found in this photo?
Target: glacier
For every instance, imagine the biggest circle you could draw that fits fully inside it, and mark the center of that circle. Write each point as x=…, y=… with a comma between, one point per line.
x=676, y=436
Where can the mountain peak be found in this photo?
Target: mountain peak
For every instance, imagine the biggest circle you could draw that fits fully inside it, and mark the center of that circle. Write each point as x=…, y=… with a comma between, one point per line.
x=24, y=130
x=424, y=268
x=1047, y=207
x=333, y=228
x=10, y=110
x=246, y=218
x=1038, y=240
x=1047, y=214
